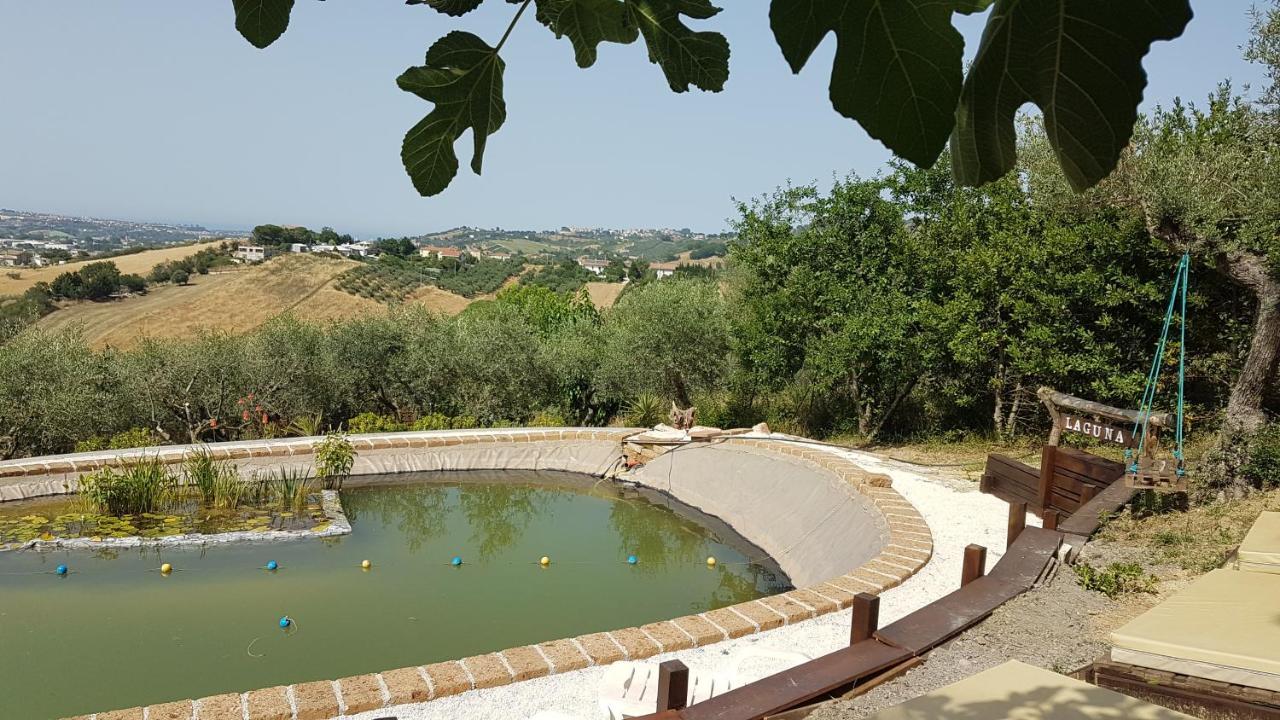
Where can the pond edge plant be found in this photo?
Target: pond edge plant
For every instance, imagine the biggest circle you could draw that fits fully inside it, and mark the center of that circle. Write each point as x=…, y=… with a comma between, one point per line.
x=335, y=456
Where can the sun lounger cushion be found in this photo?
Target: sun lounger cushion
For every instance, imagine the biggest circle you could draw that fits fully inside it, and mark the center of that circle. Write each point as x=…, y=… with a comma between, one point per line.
x=1017, y=690
x=1260, y=551
x=1224, y=626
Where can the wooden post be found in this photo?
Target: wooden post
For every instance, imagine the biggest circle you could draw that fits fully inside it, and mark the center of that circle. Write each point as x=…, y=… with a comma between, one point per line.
x=1051, y=518
x=1048, y=461
x=975, y=564
x=673, y=685
x=866, y=617
x=1017, y=521
x=1086, y=493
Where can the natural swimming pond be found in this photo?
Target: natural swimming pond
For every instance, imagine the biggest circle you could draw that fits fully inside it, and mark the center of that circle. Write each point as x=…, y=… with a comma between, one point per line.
x=116, y=633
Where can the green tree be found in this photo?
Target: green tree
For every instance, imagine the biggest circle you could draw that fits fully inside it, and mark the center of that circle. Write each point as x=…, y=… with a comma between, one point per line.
x=836, y=292
x=670, y=338
x=1204, y=179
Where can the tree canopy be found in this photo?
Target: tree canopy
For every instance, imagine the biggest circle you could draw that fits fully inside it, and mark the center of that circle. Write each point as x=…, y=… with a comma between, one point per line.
x=898, y=71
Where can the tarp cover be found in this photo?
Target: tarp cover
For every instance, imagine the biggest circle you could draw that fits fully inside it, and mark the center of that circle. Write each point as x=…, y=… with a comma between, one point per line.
x=1017, y=691
x=1260, y=551
x=1226, y=619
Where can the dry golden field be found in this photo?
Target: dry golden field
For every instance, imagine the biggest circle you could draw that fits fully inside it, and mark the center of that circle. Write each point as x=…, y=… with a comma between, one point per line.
x=138, y=263
x=603, y=294
x=234, y=300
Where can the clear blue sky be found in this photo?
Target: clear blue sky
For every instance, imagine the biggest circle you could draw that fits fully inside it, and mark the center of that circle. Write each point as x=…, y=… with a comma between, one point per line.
x=158, y=110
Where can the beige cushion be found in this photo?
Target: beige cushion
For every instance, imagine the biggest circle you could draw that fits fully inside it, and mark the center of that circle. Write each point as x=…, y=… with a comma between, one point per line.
x=1016, y=691
x=1225, y=618
x=1260, y=551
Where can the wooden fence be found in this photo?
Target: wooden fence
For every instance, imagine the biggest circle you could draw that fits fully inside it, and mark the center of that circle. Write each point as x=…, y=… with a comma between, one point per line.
x=1066, y=480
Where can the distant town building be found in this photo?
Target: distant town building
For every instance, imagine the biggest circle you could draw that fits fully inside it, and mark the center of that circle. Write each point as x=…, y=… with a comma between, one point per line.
x=299, y=247
x=439, y=253
x=250, y=253
x=595, y=265
x=498, y=255
x=663, y=270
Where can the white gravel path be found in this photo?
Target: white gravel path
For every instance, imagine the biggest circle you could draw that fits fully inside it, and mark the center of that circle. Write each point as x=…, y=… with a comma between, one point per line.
x=957, y=514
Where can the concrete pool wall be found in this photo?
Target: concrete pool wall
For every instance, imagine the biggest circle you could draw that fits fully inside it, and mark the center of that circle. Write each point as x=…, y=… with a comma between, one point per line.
x=836, y=529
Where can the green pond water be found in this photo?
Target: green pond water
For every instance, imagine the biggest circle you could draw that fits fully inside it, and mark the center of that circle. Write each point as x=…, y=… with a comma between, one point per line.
x=116, y=633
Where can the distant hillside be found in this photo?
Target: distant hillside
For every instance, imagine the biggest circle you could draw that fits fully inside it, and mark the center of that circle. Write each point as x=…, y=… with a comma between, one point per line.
x=646, y=244
x=234, y=300
x=139, y=263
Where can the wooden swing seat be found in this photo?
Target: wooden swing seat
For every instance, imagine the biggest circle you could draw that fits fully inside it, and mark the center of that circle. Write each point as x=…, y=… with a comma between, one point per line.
x=1160, y=476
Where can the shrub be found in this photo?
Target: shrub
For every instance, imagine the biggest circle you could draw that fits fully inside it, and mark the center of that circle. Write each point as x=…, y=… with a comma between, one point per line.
x=464, y=422
x=334, y=459
x=1262, y=462
x=645, y=410
x=548, y=418
x=373, y=423
x=1116, y=579
x=308, y=425
x=145, y=487
x=434, y=421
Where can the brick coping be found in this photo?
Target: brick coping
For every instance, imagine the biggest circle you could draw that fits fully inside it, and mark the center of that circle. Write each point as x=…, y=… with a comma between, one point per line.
x=908, y=549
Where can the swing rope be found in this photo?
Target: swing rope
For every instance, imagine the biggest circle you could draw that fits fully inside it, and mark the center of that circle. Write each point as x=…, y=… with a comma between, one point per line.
x=1178, y=301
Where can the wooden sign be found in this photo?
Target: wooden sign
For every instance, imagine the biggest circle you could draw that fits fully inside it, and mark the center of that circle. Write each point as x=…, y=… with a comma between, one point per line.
x=1100, y=431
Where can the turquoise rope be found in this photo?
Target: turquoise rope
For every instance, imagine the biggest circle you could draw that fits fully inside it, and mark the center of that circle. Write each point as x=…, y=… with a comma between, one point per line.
x=1182, y=358
x=1181, y=279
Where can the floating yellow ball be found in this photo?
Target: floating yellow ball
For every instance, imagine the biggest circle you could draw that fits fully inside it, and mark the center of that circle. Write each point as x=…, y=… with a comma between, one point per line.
x=166, y=568
x=711, y=562
x=545, y=561
x=366, y=564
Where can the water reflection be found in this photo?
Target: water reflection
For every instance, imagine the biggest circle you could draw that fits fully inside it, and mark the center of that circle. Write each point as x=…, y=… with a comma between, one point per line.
x=499, y=514
x=656, y=543
x=420, y=512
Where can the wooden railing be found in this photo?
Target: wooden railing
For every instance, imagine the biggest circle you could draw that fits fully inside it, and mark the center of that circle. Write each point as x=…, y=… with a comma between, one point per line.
x=875, y=654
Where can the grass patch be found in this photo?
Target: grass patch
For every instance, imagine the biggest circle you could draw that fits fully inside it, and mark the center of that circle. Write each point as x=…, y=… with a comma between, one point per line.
x=1115, y=579
x=1199, y=539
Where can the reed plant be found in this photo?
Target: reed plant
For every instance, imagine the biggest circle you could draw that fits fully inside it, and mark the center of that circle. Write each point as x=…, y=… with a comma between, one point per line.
x=227, y=489
x=201, y=472
x=289, y=487
x=144, y=487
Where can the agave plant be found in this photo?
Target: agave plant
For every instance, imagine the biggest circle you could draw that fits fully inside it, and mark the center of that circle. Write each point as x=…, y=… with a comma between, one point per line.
x=644, y=411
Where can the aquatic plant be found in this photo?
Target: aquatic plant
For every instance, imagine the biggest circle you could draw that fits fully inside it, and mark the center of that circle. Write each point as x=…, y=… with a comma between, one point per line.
x=144, y=487
x=289, y=486
x=335, y=457
x=227, y=490
x=201, y=471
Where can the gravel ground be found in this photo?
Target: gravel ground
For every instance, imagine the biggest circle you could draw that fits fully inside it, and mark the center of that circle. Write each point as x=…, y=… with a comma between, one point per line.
x=939, y=499
x=1058, y=626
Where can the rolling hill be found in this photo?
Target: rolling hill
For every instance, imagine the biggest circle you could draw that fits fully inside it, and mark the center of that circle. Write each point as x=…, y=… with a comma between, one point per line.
x=233, y=300
x=139, y=263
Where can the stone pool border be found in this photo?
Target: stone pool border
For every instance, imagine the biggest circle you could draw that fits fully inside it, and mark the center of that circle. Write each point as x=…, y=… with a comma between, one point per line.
x=908, y=548
x=334, y=524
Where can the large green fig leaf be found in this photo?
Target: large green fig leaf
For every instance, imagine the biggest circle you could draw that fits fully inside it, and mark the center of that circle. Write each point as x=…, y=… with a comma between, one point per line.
x=262, y=21
x=463, y=77
x=1080, y=62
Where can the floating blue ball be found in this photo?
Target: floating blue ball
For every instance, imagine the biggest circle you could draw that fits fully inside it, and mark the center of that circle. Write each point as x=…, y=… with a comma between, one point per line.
x=632, y=559
x=285, y=622
x=456, y=561
x=62, y=570
x=271, y=565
